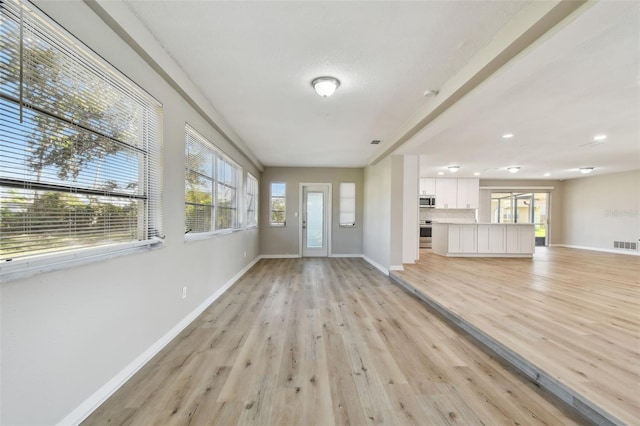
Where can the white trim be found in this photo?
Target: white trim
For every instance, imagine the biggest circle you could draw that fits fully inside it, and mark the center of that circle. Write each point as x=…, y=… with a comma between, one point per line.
x=345, y=255
x=328, y=225
x=90, y=404
x=376, y=264
x=279, y=256
x=511, y=187
x=627, y=252
x=29, y=266
x=396, y=268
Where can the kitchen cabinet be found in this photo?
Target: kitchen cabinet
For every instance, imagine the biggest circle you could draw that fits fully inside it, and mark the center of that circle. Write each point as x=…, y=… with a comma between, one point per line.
x=427, y=186
x=446, y=193
x=483, y=240
x=468, y=193
x=453, y=193
x=462, y=238
x=520, y=238
x=491, y=239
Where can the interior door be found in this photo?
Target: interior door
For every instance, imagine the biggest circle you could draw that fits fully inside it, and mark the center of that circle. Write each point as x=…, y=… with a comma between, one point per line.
x=315, y=220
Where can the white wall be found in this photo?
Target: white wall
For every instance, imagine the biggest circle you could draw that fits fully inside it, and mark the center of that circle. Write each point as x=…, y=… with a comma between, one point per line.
x=601, y=209
x=377, y=213
x=411, y=188
x=66, y=333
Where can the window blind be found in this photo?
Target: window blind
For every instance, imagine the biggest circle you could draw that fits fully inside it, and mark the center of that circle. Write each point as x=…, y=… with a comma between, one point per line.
x=80, y=144
x=347, y=204
x=211, y=186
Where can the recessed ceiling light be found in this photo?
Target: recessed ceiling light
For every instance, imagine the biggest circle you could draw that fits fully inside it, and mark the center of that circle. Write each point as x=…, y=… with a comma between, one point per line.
x=453, y=169
x=600, y=137
x=547, y=174
x=476, y=173
x=375, y=142
x=507, y=136
x=585, y=170
x=513, y=169
x=440, y=173
x=325, y=86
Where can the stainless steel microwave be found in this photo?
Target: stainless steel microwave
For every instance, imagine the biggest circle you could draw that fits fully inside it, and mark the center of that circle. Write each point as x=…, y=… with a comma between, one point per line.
x=427, y=201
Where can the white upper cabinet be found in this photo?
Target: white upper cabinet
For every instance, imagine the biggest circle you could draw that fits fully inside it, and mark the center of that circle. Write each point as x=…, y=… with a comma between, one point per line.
x=468, y=193
x=446, y=193
x=452, y=193
x=427, y=186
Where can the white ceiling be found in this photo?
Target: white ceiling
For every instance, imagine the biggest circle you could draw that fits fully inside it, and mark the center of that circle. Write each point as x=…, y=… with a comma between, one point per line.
x=255, y=61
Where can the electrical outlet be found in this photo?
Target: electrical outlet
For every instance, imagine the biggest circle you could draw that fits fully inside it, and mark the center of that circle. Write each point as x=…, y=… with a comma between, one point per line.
x=184, y=292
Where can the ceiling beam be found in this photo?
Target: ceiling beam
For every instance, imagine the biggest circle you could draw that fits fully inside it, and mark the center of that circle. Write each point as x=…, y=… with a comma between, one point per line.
x=533, y=22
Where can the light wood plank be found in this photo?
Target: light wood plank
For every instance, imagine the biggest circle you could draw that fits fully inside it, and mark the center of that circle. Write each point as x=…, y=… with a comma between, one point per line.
x=574, y=314
x=321, y=342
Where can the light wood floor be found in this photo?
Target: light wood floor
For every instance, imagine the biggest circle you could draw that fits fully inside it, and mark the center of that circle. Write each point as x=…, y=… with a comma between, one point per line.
x=324, y=341
x=573, y=313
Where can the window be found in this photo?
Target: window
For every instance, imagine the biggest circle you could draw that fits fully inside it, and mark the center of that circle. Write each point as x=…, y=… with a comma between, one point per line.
x=278, y=204
x=252, y=201
x=211, y=186
x=347, y=204
x=79, y=147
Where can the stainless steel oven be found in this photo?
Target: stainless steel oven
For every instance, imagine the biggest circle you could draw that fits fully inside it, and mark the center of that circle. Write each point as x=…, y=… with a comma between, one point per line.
x=425, y=234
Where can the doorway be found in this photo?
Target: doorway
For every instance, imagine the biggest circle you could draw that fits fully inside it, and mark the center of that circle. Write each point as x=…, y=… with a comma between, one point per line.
x=315, y=222
x=523, y=207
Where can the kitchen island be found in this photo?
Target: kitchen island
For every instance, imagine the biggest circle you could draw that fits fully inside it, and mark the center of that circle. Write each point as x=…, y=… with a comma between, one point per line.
x=483, y=239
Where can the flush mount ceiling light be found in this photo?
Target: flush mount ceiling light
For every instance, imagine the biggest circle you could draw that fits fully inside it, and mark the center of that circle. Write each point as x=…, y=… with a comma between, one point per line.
x=585, y=170
x=325, y=86
x=453, y=169
x=600, y=137
x=513, y=169
x=507, y=136
x=431, y=93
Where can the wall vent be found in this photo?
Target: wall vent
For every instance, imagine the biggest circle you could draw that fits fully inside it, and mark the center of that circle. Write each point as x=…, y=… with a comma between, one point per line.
x=625, y=245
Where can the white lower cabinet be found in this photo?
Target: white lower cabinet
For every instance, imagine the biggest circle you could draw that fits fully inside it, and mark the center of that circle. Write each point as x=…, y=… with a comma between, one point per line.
x=491, y=239
x=520, y=239
x=484, y=240
x=462, y=238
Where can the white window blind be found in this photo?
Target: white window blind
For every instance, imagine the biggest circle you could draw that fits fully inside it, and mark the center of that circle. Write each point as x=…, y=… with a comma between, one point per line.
x=347, y=204
x=252, y=200
x=80, y=144
x=278, y=204
x=211, y=186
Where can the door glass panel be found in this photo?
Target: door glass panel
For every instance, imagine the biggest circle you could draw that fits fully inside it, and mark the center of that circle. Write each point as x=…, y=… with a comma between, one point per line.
x=506, y=212
x=523, y=208
x=540, y=217
x=315, y=201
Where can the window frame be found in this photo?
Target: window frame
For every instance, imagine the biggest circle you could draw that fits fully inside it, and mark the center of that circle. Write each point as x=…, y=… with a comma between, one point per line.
x=342, y=199
x=65, y=46
x=273, y=224
x=217, y=156
x=251, y=218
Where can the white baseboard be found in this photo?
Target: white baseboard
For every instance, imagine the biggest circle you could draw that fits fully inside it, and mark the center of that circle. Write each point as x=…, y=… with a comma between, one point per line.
x=345, y=255
x=627, y=252
x=279, y=256
x=94, y=401
x=396, y=268
x=376, y=264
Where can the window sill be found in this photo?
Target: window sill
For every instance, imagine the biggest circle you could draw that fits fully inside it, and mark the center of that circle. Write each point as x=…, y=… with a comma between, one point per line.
x=27, y=267
x=208, y=235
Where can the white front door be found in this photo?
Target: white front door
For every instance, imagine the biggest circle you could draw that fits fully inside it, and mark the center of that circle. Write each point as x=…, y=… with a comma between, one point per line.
x=315, y=220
